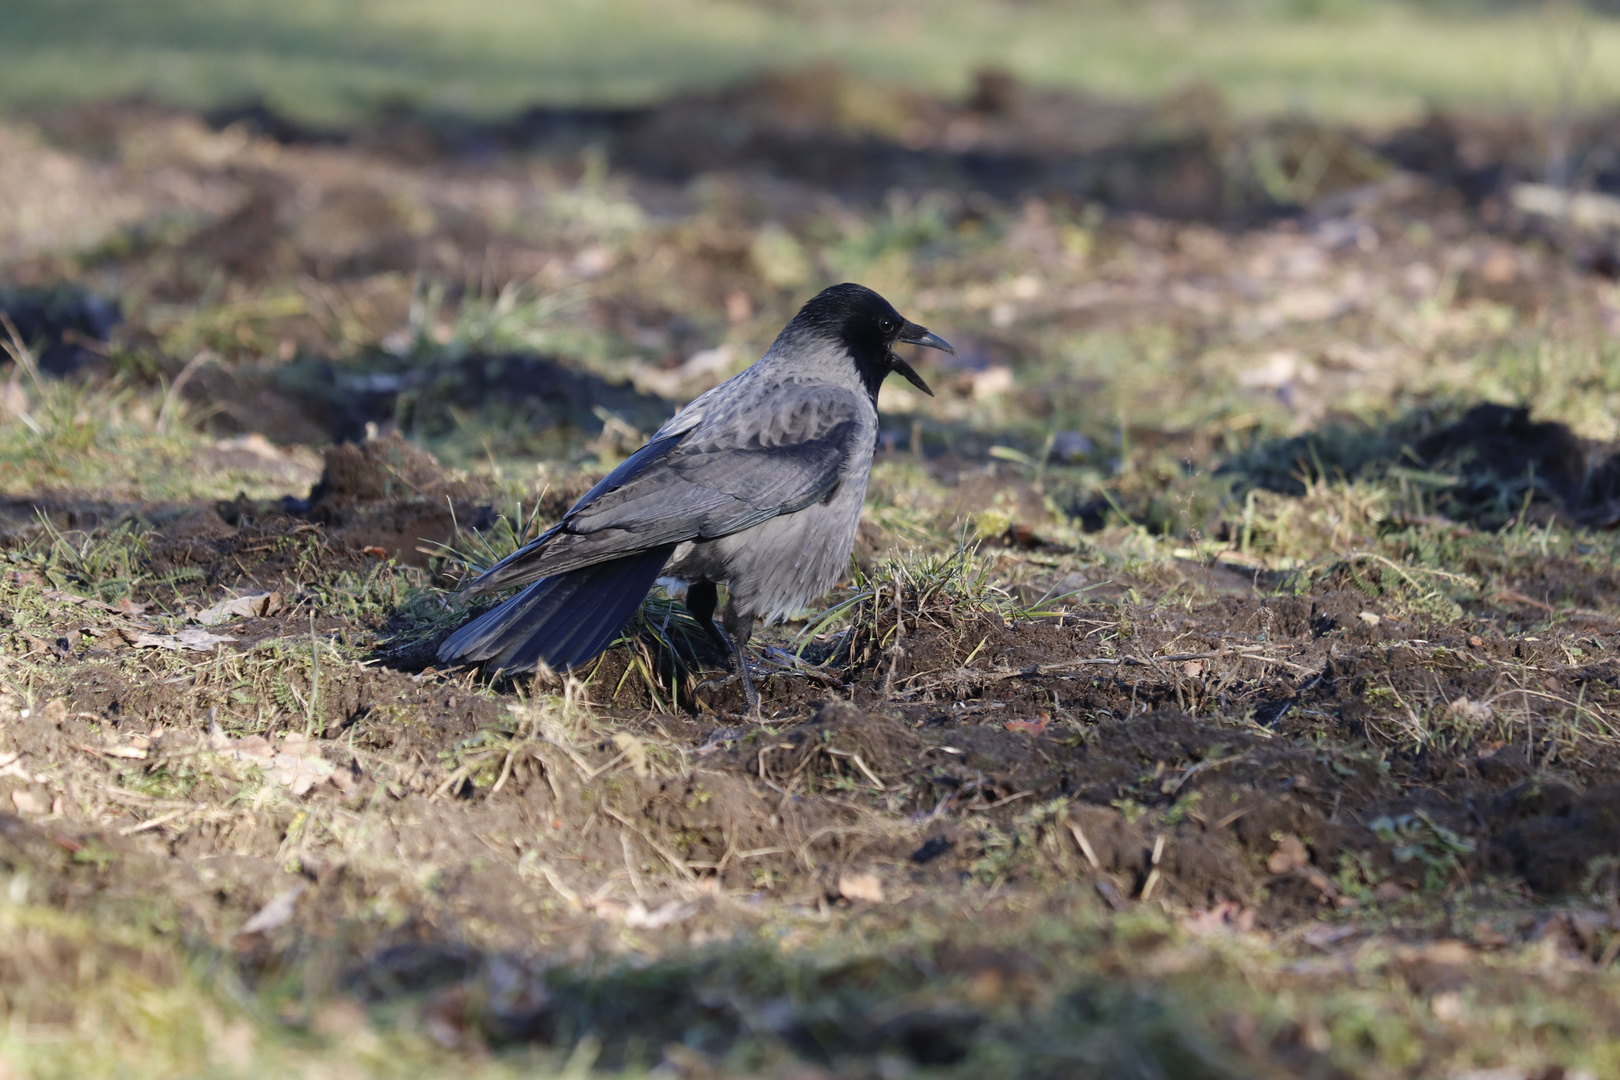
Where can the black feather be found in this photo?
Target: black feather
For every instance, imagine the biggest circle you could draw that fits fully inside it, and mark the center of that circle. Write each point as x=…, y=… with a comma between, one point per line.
x=563, y=620
x=518, y=567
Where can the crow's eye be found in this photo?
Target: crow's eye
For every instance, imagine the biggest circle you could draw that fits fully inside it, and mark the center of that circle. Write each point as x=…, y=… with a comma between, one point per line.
x=888, y=325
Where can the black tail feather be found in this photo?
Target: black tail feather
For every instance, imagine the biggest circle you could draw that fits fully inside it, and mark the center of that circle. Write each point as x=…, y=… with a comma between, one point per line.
x=565, y=620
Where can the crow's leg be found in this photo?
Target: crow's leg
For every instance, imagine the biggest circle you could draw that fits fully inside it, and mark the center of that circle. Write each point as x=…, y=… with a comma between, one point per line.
x=739, y=627
x=702, y=598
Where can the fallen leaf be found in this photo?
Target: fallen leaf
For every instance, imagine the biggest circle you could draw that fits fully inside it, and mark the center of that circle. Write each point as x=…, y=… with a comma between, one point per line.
x=1289, y=856
x=277, y=913
x=253, y=748
x=299, y=745
x=297, y=773
x=258, y=604
x=27, y=802
x=1369, y=618
x=1030, y=727
x=296, y=765
x=125, y=606
x=374, y=551
x=860, y=886
x=190, y=638
x=1192, y=668
x=1476, y=641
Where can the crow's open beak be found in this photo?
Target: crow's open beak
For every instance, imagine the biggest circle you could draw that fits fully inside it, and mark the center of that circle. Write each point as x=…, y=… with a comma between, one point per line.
x=912, y=334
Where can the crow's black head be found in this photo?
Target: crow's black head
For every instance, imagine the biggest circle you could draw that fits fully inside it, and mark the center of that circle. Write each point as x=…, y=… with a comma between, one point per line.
x=868, y=326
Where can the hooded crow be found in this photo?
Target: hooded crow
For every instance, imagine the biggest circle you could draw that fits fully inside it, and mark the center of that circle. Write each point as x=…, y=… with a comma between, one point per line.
x=757, y=485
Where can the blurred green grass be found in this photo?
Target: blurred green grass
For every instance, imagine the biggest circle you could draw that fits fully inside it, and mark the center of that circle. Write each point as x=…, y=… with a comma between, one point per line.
x=336, y=60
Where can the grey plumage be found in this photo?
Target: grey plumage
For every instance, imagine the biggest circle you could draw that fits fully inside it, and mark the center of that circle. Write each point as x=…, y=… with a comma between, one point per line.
x=756, y=485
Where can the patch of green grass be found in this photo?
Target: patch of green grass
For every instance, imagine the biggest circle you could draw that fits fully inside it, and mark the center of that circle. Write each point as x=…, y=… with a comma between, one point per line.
x=944, y=588
x=121, y=443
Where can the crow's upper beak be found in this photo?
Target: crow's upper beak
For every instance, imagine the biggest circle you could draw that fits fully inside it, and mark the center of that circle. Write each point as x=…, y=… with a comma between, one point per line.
x=912, y=334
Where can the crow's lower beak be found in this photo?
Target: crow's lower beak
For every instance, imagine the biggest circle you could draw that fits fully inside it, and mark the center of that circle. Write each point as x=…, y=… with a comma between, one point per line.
x=912, y=334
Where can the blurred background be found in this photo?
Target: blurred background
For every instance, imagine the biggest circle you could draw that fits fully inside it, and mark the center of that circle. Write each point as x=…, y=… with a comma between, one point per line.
x=342, y=60
x=1170, y=239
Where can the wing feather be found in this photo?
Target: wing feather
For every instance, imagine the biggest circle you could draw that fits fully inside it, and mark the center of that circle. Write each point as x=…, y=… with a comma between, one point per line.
x=733, y=470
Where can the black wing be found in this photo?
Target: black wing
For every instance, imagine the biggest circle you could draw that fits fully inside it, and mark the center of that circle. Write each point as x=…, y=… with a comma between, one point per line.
x=735, y=469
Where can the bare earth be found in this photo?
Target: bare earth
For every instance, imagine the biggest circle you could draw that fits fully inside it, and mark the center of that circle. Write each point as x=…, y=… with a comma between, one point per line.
x=1224, y=687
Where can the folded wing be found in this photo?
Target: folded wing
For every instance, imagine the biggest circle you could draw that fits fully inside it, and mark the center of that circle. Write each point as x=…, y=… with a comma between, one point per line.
x=729, y=472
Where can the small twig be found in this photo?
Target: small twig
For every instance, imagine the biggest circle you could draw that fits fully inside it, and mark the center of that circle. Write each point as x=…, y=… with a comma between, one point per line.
x=1233, y=816
x=861, y=765
x=25, y=361
x=161, y=819
x=1153, y=875
x=1000, y=802
x=452, y=781
x=562, y=890
x=172, y=395
x=21, y=353
x=630, y=866
x=130, y=752
x=506, y=770
x=314, y=677
x=668, y=856
x=1085, y=845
